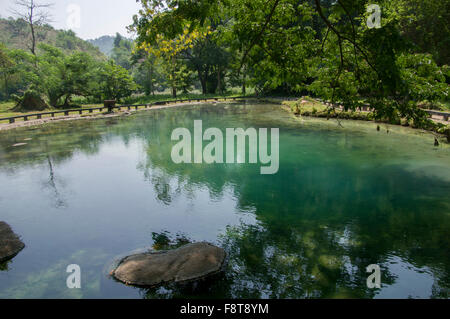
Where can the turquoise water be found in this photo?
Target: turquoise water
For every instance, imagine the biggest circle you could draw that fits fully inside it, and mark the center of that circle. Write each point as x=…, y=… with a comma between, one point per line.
x=91, y=191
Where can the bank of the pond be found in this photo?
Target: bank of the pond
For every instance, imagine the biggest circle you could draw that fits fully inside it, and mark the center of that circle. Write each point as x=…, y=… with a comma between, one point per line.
x=311, y=107
x=120, y=112
x=304, y=106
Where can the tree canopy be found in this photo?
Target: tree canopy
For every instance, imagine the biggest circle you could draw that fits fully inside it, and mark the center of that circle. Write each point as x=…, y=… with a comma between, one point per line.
x=329, y=49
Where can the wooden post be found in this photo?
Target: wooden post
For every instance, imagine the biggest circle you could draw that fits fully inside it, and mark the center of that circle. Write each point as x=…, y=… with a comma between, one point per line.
x=12, y=120
x=25, y=118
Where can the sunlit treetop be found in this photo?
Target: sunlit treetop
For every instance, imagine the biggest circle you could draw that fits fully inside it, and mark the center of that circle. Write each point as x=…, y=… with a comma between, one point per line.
x=170, y=18
x=172, y=47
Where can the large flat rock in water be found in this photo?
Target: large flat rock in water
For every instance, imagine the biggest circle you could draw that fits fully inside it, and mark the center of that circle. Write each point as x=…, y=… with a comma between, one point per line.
x=189, y=262
x=10, y=244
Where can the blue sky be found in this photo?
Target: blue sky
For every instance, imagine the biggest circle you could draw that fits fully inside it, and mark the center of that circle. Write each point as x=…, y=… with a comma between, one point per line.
x=96, y=18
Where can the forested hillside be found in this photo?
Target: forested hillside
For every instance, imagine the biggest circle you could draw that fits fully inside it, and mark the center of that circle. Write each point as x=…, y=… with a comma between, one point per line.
x=15, y=34
x=61, y=66
x=105, y=44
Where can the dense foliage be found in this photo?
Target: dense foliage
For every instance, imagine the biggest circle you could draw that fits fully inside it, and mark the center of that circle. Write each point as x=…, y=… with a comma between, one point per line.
x=334, y=50
x=62, y=67
x=59, y=76
x=329, y=49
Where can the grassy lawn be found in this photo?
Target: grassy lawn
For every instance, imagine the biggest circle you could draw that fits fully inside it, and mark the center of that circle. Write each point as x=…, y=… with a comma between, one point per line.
x=312, y=106
x=5, y=109
x=446, y=105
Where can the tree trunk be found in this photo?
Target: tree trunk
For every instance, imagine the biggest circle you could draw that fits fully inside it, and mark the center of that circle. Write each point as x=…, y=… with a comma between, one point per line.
x=174, y=88
x=33, y=40
x=152, y=89
x=202, y=79
x=6, y=87
x=174, y=92
x=66, y=100
x=243, y=82
x=149, y=84
x=219, y=81
x=33, y=36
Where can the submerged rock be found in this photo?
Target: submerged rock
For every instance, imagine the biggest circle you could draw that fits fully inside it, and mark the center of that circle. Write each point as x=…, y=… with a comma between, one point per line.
x=19, y=144
x=10, y=244
x=187, y=263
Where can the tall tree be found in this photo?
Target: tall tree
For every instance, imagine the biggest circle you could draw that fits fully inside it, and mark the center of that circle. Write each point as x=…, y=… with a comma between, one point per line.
x=324, y=47
x=6, y=66
x=122, y=52
x=116, y=83
x=34, y=14
x=170, y=51
x=147, y=71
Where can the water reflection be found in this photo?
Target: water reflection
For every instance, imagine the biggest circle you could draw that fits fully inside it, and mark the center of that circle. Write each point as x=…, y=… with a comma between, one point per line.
x=4, y=265
x=51, y=183
x=164, y=241
x=344, y=198
x=336, y=218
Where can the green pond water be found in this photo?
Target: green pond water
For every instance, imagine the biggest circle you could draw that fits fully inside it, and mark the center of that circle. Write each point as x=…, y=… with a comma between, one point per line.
x=89, y=192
